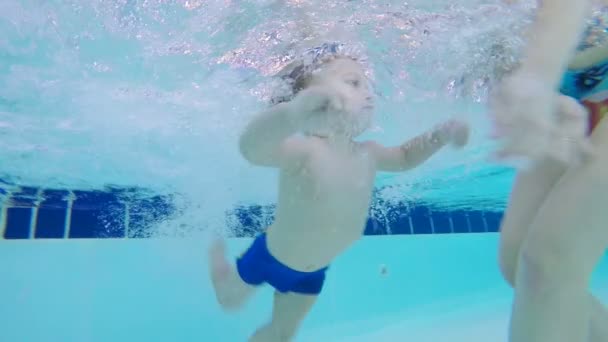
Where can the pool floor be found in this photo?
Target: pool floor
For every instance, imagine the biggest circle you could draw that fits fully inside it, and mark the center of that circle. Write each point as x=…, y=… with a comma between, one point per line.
x=436, y=288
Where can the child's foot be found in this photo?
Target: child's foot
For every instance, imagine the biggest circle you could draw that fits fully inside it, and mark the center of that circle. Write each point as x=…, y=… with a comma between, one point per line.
x=230, y=291
x=218, y=265
x=220, y=272
x=267, y=333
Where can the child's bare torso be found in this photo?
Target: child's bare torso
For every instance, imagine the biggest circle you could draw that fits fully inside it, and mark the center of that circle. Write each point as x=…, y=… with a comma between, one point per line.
x=322, y=206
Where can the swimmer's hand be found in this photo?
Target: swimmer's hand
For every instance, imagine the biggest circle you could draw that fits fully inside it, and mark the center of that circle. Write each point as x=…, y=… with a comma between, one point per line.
x=522, y=110
x=570, y=138
x=526, y=114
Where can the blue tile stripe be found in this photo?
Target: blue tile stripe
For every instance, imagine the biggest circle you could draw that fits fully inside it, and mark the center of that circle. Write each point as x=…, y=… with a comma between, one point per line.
x=130, y=213
x=408, y=219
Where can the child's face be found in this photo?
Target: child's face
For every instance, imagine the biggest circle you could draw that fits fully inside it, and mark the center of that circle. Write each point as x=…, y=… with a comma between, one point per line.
x=348, y=78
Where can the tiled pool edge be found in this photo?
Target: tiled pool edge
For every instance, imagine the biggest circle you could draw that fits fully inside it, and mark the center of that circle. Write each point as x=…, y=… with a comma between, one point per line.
x=123, y=222
x=34, y=213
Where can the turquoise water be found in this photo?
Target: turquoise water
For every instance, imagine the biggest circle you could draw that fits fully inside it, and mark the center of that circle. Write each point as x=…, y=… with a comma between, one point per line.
x=141, y=92
x=153, y=94
x=436, y=289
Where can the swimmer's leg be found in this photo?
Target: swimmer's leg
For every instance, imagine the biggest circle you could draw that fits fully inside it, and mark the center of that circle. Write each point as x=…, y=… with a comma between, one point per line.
x=288, y=312
x=566, y=240
x=231, y=291
x=524, y=104
x=532, y=187
x=530, y=190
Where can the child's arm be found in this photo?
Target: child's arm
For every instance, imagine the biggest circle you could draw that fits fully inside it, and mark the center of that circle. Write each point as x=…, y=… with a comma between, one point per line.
x=268, y=139
x=417, y=150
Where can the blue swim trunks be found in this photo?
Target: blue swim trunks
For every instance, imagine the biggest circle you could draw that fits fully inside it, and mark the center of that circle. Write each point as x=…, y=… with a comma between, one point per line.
x=257, y=266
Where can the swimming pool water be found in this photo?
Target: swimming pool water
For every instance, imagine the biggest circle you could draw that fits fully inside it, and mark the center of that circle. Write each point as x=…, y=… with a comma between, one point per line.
x=436, y=288
x=118, y=129
x=135, y=93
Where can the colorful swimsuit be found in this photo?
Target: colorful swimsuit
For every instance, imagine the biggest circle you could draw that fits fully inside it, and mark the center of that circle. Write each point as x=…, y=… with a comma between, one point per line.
x=590, y=87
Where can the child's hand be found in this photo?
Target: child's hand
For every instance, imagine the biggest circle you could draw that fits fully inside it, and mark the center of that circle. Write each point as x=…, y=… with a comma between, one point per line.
x=457, y=132
x=316, y=100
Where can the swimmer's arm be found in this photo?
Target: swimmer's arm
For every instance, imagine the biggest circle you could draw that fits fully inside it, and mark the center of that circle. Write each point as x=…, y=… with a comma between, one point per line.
x=410, y=154
x=589, y=57
x=268, y=139
x=553, y=39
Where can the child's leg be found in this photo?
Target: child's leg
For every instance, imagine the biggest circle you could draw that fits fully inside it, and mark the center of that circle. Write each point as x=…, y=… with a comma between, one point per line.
x=231, y=291
x=566, y=240
x=288, y=311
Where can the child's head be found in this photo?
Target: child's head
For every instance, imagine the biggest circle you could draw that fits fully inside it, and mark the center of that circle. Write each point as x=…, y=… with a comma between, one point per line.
x=345, y=75
x=347, y=78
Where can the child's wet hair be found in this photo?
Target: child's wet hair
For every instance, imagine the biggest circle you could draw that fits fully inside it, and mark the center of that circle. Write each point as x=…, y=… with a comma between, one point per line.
x=297, y=75
x=301, y=77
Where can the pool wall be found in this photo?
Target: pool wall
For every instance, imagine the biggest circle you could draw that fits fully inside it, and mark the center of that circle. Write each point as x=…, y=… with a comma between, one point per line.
x=34, y=213
x=82, y=266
